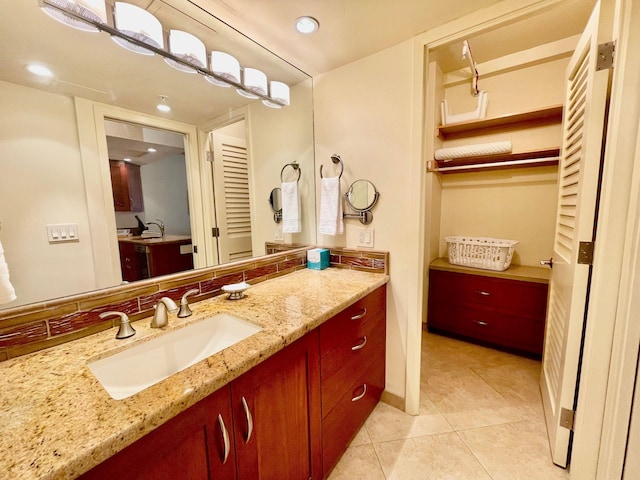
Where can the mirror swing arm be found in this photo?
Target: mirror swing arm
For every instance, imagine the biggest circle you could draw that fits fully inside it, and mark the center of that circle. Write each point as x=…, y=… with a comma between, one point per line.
x=163, y=53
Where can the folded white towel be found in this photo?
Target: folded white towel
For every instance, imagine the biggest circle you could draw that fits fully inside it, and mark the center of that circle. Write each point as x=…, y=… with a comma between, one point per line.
x=291, y=222
x=477, y=149
x=330, y=221
x=7, y=292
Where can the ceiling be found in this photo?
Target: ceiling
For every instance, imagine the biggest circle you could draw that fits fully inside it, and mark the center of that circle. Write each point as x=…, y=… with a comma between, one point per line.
x=353, y=29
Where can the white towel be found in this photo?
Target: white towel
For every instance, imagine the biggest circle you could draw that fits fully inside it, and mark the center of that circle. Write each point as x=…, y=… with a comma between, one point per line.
x=330, y=222
x=290, y=208
x=477, y=149
x=7, y=292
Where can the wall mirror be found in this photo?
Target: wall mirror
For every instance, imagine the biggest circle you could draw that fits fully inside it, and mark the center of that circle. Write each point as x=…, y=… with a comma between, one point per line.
x=275, y=200
x=55, y=146
x=362, y=197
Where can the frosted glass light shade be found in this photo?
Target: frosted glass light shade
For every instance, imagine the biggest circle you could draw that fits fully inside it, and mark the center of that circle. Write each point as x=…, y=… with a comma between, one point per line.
x=225, y=66
x=93, y=10
x=254, y=81
x=187, y=47
x=136, y=22
x=280, y=92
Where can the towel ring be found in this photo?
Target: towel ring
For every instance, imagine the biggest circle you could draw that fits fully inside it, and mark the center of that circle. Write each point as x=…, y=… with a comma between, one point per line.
x=335, y=158
x=293, y=165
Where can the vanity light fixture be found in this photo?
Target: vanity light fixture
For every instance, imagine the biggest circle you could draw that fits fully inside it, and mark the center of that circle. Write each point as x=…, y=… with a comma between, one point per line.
x=136, y=29
x=254, y=81
x=163, y=106
x=280, y=92
x=39, y=70
x=187, y=47
x=225, y=66
x=136, y=22
x=94, y=10
x=306, y=25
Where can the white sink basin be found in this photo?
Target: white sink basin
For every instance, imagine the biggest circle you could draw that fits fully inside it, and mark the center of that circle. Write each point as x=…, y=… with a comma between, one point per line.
x=131, y=371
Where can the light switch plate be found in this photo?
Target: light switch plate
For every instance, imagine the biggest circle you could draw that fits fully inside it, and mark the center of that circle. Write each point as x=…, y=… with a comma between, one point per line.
x=62, y=232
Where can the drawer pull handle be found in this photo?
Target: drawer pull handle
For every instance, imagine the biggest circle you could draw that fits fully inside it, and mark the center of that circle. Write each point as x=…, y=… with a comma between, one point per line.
x=360, y=315
x=483, y=293
x=481, y=323
x=361, y=396
x=225, y=439
x=249, y=419
x=360, y=345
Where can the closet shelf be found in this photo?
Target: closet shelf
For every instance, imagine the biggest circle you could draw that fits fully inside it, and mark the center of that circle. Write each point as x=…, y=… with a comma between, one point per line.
x=536, y=158
x=546, y=115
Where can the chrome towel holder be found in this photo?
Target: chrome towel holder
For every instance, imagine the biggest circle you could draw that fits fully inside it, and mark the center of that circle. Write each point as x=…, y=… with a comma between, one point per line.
x=293, y=165
x=335, y=158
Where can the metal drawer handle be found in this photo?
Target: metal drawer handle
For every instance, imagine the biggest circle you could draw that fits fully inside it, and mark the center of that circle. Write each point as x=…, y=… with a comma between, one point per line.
x=225, y=439
x=483, y=293
x=481, y=323
x=360, y=345
x=249, y=419
x=360, y=315
x=359, y=397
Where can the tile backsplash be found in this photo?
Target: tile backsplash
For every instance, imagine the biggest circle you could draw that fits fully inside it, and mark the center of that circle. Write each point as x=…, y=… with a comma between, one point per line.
x=41, y=325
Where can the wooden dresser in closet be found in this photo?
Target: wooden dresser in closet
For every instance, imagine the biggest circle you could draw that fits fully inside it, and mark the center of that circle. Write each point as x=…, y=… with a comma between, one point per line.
x=504, y=309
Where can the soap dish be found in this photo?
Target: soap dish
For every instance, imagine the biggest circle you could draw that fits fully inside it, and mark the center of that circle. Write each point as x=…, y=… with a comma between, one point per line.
x=235, y=290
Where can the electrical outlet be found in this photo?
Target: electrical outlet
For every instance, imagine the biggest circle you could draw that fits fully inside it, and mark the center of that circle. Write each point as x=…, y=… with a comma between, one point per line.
x=278, y=236
x=365, y=237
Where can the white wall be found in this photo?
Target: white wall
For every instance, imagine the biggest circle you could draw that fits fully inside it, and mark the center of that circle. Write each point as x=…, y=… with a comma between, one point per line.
x=363, y=113
x=41, y=183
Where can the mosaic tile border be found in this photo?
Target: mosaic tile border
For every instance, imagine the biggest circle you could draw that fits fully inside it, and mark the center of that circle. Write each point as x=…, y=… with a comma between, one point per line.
x=42, y=325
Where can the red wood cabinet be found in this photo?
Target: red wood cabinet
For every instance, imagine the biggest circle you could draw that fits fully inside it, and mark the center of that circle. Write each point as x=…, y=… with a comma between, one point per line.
x=127, y=186
x=502, y=312
x=352, y=365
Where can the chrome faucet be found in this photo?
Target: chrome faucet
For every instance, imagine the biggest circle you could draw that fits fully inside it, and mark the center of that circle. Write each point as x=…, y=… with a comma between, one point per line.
x=160, y=224
x=125, y=330
x=160, y=318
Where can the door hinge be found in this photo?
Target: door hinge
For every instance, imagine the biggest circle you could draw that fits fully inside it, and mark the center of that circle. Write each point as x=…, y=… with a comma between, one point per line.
x=606, y=54
x=567, y=418
x=210, y=156
x=585, y=253
x=215, y=232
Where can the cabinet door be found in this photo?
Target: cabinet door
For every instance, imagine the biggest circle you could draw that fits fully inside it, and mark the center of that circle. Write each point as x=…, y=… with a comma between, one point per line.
x=190, y=445
x=276, y=412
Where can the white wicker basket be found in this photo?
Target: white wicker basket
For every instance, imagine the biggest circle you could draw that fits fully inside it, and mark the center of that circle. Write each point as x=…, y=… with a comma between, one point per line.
x=481, y=252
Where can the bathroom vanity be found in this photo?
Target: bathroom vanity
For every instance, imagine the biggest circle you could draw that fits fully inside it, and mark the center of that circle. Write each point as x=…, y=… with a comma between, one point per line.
x=289, y=397
x=505, y=309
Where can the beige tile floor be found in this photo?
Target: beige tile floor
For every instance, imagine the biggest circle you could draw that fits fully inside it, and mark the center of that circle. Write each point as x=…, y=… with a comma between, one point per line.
x=480, y=418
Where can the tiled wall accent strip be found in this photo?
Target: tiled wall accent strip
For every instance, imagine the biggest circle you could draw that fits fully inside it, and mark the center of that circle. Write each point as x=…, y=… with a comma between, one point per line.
x=38, y=326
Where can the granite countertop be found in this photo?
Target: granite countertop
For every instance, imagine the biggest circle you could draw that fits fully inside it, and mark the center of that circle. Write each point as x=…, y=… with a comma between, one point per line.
x=141, y=240
x=57, y=421
x=514, y=272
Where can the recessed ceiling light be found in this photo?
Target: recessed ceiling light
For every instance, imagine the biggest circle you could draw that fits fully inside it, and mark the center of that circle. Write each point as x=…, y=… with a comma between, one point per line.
x=306, y=25
x=39, y=70
x=126, y=159
x=151, y=150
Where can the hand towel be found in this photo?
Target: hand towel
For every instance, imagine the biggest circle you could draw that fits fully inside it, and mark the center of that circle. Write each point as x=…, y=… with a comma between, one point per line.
x=330, y=221
x=7, y=292
x=477, y=149
x=290, y=208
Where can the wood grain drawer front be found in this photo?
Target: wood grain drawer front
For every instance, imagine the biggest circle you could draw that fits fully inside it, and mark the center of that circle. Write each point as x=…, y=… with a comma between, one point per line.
x=343, y=366
x=352, y=409
x=518, y=297
x=350, y=323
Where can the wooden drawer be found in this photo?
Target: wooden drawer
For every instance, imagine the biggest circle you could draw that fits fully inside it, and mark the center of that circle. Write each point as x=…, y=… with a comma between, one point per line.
x=517, y=297
x=351, y=322
x=352, y=409
x=342, y=367
x=521, y=333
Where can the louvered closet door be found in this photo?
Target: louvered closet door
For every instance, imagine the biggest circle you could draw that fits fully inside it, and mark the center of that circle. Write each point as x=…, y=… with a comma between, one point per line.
x=232, y=197
x=578, y=178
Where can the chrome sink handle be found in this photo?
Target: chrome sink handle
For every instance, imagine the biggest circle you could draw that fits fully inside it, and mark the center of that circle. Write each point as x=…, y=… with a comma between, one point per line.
x=125, y=330
x=185, y=310
x=160, y=318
